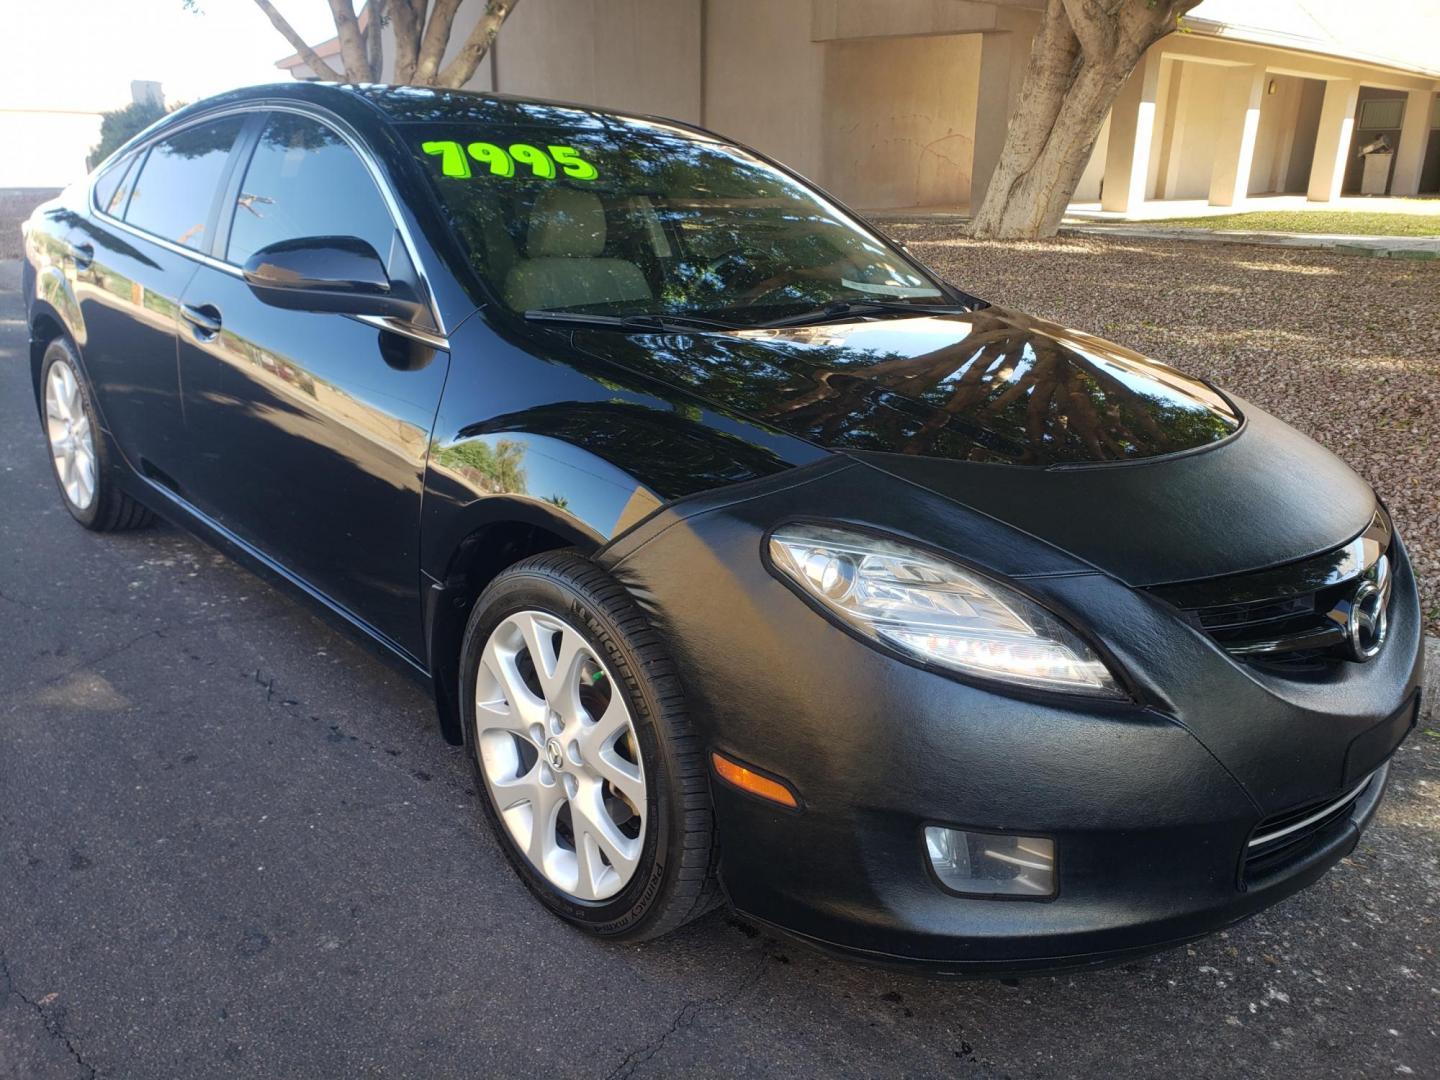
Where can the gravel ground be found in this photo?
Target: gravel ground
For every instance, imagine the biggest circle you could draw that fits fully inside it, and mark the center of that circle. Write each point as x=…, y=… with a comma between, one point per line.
x=15, y=207
x=1347, y=349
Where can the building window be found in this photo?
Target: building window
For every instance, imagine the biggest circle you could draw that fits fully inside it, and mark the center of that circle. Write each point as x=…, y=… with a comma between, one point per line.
x=1381, y=114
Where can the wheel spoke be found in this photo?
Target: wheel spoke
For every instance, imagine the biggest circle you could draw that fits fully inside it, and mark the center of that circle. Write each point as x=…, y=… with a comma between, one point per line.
x=541, y=843
x=84, y=477
x=517, y=703
x=59, y=394
x=623, y=775
x=612, y=723
x=589, y=864
x=563, y=687
x=592, y=820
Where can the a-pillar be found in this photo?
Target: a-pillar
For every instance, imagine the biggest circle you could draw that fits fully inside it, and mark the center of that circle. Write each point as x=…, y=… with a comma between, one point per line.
x=1332, y=139
x=1414, y=134
x=1132, y=128
x=1235, y=140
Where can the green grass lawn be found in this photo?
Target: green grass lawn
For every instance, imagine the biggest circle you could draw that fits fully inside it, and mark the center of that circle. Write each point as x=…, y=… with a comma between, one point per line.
x=1354, y=222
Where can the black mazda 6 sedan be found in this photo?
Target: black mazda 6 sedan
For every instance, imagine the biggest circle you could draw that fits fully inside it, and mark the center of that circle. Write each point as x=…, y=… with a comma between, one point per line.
x=746, y=556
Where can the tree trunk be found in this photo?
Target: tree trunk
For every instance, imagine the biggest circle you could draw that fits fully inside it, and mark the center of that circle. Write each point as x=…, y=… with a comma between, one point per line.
x=1080, y=58
x=374, y=40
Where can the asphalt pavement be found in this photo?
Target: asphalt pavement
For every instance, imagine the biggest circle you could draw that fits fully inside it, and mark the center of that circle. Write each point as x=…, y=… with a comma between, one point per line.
x=233, y=843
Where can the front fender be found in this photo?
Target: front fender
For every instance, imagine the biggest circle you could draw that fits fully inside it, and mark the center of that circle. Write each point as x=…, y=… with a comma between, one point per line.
x=486, y=479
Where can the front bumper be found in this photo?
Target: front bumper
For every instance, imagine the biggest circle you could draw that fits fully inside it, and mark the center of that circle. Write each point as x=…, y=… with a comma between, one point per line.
x=1151, y=804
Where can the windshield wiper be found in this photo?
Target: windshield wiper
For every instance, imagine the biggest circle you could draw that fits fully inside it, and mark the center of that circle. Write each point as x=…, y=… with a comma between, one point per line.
x=839, y=308
x=630, y=322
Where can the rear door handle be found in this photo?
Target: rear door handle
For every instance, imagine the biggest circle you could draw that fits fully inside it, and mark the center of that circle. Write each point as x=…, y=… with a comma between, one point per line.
x=83, y=254
x=205, y=319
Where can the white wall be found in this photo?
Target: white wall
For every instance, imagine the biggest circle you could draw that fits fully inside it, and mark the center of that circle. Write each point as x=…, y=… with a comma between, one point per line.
x=1088, y=189
x=764, y=78
x=1193, y=130
x=629, y=55
x=45, y=149
x=900, y=120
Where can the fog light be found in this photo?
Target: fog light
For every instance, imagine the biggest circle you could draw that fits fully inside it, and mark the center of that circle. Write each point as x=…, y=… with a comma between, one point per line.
x=992, y=864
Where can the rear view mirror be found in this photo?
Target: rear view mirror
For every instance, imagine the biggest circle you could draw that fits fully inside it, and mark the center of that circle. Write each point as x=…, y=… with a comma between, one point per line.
x=338, y=274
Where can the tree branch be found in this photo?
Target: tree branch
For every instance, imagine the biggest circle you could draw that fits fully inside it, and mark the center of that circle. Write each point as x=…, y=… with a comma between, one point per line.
x=1093, y=26
x=374, y=40
x=437, y=37
x=406, y=21
x=312, y=59
x=352, y=42
x=460, y=70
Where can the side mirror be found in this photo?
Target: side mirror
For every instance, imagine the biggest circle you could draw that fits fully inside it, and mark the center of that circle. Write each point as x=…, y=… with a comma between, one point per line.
x=337, y=274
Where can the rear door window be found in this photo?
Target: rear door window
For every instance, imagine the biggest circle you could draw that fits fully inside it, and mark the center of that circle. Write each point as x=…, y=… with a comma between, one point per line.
x=175, y=191
x=305, y=180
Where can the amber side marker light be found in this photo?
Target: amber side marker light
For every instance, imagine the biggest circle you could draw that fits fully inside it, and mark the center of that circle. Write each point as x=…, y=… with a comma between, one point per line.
x=751, y=781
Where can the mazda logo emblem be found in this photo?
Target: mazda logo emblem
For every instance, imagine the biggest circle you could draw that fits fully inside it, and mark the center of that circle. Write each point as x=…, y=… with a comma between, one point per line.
x=1368, y=622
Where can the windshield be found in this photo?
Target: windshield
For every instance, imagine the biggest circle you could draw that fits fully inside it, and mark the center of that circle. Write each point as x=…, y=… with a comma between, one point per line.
x=621, y=217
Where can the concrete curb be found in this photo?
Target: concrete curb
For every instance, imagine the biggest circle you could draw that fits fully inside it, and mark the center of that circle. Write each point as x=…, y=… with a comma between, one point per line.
x=1378, y=247
x=1430, y=695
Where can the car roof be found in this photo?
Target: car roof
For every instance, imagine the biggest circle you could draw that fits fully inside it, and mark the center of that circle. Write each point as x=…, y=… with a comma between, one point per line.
x=423, y=104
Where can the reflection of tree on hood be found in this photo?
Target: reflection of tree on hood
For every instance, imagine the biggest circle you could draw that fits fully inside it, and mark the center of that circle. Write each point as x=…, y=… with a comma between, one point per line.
x=1007, y=392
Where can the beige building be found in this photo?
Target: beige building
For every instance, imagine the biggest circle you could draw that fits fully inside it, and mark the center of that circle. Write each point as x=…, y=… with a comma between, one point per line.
x=902, y=103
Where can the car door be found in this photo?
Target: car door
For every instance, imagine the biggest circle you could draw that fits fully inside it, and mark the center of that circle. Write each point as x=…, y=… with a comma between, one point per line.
x=134, y=256
x=309, y=432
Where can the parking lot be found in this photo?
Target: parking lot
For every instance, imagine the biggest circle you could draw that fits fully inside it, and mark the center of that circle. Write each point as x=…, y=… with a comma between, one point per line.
x=232, y=843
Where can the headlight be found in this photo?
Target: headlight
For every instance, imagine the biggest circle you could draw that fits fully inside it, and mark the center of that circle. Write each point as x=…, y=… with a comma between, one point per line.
x=933, y=609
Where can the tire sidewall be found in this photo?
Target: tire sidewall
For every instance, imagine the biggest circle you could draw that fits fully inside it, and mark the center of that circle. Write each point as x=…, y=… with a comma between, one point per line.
x=58, y=350
x=627, y=912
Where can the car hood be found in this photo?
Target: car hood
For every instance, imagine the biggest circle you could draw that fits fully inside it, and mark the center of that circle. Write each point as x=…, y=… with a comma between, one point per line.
x=1121, y=461
x=991, y=385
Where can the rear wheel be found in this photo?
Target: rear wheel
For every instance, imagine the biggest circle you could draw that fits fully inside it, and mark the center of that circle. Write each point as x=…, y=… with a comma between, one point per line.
x=592, y=779
x=78, y=454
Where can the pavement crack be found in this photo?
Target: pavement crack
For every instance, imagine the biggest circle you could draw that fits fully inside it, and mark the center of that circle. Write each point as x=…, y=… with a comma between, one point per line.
x=52, y=1025
x=106, y=654
x=7, y=598
x=686, y=1015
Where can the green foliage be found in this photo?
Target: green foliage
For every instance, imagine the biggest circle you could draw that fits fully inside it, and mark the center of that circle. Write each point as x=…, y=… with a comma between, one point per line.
x=118, y=125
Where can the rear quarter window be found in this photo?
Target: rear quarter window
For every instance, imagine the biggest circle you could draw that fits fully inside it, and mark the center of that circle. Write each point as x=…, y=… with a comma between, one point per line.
x=111, y=190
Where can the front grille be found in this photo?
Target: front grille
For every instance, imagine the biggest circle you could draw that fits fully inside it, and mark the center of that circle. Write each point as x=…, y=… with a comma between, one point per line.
x=1283, y=837
x=1294, y=615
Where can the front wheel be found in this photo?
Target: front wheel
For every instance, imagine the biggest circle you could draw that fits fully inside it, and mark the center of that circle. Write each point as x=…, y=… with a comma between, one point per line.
x=593, y=780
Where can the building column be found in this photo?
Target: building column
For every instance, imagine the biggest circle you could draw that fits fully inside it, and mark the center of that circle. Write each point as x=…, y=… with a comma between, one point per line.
x=1004, y=59
x=1332, y=140
x=1235, y=141
x=1414, y=134
x=1132, y=129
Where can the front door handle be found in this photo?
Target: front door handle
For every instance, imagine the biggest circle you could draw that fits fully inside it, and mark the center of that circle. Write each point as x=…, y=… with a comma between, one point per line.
x=205, y=319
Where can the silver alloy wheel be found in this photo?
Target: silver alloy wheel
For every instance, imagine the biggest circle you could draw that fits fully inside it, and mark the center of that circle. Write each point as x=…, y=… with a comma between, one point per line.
x=560, y=755
x=72, y=444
